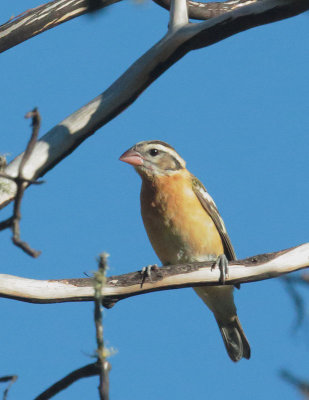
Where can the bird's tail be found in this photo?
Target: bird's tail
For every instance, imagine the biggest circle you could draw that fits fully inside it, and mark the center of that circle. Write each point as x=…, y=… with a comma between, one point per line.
x=234, y=339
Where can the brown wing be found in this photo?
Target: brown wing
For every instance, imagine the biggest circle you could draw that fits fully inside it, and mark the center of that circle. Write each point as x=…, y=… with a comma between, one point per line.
x=211, y=208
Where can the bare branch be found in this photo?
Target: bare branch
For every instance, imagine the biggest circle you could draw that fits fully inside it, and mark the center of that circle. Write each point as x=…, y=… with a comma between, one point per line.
x=84, y=372
x=6, y=223
x=301, y=385
x=11, y=379
x=40, y=19
x=119, y=287
x=202, y=11
x=292, y=284
x=35, y=123
x=70, y=133
x=178, y=14
x=297, y=299
x=104, y=365
x=20, y=183
x=101, y=367
x=47, y=16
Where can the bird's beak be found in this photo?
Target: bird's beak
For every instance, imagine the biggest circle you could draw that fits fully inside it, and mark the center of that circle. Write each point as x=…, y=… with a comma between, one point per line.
x=132, y=157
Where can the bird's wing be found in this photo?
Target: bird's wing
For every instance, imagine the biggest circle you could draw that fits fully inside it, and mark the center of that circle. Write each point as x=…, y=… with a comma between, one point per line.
x=211, y=208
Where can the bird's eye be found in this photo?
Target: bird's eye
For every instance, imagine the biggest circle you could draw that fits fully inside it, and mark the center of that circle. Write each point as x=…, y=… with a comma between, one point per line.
x=153, y=152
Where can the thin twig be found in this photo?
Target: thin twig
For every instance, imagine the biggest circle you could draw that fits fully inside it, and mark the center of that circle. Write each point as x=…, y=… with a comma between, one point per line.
x=300, y=384
x=101, y=367
x=84, y=372
x=11, y=379
x=7, y=223
x=21, y=183
x=35, y=123
x=297, y=300
x=100, y=279
x=304, y=278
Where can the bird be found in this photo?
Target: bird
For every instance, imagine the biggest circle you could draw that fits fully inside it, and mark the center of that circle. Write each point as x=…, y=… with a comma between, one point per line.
x=184, y=225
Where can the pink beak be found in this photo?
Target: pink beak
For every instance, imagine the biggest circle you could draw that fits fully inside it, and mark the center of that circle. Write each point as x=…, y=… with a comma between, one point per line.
x=132, y=157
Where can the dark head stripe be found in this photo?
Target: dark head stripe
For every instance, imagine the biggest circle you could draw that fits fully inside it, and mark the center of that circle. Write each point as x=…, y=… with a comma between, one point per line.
x=158, y=142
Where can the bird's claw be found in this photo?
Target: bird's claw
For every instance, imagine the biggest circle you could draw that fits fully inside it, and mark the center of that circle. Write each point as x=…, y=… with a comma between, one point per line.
x=146, y=272
x=223, y=264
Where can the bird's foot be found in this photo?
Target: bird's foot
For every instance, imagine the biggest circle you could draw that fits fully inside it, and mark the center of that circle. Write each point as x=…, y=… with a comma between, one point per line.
x=223, y=264
x=146, y=272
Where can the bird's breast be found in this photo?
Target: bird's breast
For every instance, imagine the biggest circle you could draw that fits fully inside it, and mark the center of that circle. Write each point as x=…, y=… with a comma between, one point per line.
x=179, y=228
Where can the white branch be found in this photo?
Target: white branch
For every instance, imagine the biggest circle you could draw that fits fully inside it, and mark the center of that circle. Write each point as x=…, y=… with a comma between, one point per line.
x=70, y=133
x=172, y=277
x=178, y=14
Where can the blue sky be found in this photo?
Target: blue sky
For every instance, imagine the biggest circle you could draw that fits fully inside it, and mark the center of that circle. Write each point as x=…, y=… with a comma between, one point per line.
x=238, y=113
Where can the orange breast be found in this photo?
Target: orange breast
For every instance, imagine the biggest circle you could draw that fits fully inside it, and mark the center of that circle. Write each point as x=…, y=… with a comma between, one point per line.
x=178, y=226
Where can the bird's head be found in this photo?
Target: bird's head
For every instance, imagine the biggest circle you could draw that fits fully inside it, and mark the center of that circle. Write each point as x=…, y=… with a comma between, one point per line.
x=153, y=157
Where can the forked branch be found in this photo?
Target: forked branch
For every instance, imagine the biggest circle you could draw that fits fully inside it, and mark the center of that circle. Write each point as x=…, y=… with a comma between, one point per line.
x=21, y=182
x=37, y=20
x=119, y=287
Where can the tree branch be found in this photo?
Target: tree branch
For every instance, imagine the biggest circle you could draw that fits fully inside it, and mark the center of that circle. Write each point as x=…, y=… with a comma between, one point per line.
x=298, y=301
x=119, y=287
x=70, y=133
x=47, y=16
x=20, y=182
x=84, y=372
x=301, y=385
x=178, y=15
x=40, y=19
x=101, y=367
x=104, y=365
x=202, y=11
x=10, y=379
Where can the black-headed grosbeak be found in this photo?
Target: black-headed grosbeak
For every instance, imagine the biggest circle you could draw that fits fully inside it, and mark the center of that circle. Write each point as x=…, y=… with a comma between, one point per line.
x=184, y=225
